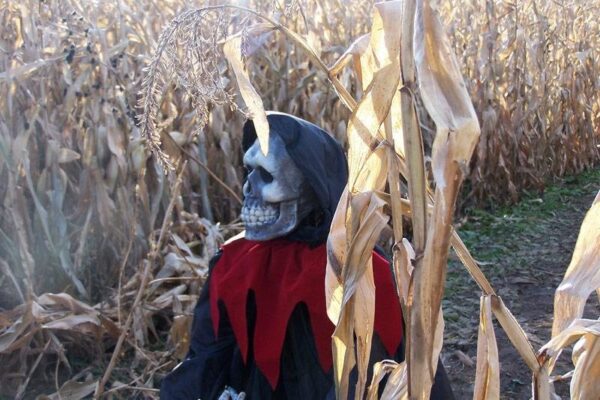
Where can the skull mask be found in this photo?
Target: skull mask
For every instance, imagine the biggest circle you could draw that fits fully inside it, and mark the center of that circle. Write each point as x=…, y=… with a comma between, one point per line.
x=277, y=196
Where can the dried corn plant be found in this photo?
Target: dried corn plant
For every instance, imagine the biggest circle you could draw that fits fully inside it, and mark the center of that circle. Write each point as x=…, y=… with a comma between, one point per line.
x=84, y=207
x=581, y=278
x=583, y=274
x=82, y=203
x=530, y=69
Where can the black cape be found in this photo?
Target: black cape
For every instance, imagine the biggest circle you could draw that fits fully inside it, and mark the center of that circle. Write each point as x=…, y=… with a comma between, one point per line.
x=214, y=363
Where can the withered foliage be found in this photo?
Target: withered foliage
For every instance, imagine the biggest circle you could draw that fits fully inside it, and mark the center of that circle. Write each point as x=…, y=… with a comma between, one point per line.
x=83, y=204
x=531, y=68
x=103, y=251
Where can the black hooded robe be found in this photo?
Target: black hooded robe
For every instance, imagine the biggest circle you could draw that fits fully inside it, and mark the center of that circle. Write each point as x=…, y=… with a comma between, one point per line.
x=215, y=359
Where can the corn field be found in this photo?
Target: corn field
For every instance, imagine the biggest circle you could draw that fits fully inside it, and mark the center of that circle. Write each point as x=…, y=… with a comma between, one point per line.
x=121, y=173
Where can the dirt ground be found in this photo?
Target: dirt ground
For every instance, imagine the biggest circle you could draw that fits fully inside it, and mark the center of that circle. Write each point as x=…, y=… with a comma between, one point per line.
x=524, y=251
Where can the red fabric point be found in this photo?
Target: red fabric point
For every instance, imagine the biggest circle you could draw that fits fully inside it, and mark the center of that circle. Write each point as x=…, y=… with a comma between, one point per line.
x=282, y=274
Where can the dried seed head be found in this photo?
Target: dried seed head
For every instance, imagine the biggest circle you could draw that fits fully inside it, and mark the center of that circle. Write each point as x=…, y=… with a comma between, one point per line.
x=189, y=54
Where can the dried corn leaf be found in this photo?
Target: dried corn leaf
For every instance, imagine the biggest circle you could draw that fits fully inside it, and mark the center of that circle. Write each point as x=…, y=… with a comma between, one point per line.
x=487, y=376
x=443, y=89
x=541, y=388
x=72, y=390
x=380, y=67
x=358, y=220
x=350, y=289
x=81, y=322
x=585, y=383
x=233, y=52
x=583, y=274
x=470, y=264
x=357, y=48
x=180, y=334
x=403, y=268
x=396, y=387
x=585, y=333
x=66, y=155
x=64, y=301
x=397, y=384
x=408, y=138
x=380, y=370
x=11, y=337
x=444, y=95
x=515, y=333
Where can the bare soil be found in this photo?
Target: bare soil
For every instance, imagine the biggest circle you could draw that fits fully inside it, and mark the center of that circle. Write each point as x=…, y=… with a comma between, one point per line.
x=524, y=252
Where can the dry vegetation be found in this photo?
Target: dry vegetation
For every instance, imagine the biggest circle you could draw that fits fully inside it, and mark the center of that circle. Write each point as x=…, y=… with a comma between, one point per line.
x=86, y=213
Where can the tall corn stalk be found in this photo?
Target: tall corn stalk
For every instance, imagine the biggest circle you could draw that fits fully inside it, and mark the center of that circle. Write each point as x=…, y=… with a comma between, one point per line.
x=528, y=67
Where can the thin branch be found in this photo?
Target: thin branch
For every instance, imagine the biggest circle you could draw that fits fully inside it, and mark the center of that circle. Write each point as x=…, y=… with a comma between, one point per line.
x=23, y=387
x=140, y=293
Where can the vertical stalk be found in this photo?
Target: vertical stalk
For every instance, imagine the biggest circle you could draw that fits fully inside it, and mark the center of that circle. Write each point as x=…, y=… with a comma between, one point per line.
x=413, y=146
x=394, y=182
x=413, y=142
x=396, y=203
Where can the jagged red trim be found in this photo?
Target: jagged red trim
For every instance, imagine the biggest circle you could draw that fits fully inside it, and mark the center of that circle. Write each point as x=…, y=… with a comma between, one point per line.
x=282, y=274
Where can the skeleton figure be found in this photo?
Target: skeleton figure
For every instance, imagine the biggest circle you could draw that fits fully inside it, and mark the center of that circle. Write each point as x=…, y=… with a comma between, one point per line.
x=260, y=327
x=276, y=194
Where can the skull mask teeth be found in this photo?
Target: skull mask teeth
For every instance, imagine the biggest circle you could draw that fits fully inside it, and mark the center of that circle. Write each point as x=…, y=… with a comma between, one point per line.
x=276, y=194
x=256, y=213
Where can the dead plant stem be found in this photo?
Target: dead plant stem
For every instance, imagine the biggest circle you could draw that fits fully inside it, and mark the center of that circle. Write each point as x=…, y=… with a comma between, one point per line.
x=140, y=293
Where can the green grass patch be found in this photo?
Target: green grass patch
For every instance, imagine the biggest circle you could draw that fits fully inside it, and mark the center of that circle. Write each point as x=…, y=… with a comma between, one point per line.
x=500, y=237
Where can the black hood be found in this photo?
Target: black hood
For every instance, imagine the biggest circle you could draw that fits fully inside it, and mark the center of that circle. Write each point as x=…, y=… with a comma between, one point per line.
x=320, y=158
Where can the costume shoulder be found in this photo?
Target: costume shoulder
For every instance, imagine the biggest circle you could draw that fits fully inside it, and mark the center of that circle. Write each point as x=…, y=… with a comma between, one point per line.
x=280, y=274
